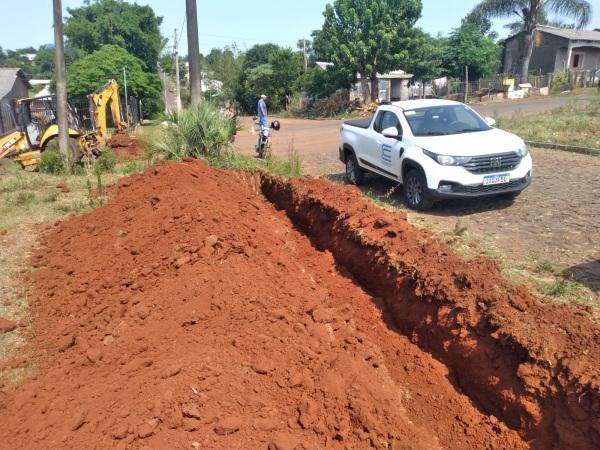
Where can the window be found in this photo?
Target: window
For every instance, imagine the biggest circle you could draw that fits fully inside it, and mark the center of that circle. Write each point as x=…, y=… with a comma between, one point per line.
x=443, y=120
x=389, y=119
x=577, y=60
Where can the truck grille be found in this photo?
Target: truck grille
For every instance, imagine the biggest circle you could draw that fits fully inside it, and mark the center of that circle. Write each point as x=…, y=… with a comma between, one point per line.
x=492, y=188
x=493, y=163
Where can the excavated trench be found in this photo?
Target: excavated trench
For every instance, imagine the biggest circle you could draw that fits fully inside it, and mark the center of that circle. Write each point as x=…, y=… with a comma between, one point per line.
x=533, y=366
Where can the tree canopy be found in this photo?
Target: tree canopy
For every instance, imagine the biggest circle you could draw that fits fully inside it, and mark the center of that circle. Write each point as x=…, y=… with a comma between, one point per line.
x=369, y=36
x=466, y=46
x=128, y=25
x=92, y=71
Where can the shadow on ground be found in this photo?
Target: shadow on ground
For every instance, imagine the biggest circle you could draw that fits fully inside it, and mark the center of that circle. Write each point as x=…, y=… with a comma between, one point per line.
x=390, y=193
x=587, y=273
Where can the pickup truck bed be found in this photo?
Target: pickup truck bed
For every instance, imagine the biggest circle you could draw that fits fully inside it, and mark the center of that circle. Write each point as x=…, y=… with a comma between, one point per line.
x=359, y=123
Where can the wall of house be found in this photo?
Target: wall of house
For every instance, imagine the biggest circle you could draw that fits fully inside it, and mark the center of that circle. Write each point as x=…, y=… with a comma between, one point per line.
x=544, y=57
x=591, y=57
x=19, y=90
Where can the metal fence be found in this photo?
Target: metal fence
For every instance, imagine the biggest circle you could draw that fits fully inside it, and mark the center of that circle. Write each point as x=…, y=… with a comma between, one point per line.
x=134, y=113
x=81, y=105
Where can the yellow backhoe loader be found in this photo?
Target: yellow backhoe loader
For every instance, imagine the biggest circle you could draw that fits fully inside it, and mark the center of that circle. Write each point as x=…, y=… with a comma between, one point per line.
x=37, y=130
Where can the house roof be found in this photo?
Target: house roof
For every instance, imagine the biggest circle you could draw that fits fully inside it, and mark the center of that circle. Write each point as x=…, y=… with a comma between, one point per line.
x=8, y=76
x=566, y=33
x=573, y=35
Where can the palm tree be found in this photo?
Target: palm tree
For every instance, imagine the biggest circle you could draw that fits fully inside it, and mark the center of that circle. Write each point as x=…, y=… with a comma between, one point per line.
x=529, y=13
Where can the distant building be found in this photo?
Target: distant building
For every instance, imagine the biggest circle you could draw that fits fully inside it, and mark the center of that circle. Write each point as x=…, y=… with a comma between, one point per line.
x=13, y=85
x=555, y=50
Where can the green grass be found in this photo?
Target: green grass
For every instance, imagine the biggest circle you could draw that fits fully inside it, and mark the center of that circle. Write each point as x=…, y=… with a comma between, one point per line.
x=576, y=124
x=288, y=167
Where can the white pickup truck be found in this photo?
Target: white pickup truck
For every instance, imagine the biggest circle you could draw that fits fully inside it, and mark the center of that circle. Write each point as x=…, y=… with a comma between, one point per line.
x=437, y=149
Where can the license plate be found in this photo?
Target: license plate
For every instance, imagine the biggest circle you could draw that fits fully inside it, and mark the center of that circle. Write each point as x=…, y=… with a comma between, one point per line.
x=500, y=178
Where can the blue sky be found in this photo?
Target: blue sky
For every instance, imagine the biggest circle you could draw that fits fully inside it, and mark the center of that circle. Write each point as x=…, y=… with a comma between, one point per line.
x=227, y=21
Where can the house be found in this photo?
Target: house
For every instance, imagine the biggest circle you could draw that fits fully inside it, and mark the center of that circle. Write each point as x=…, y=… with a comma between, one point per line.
x=13, y=85
x=555, y=50
x=393, y=85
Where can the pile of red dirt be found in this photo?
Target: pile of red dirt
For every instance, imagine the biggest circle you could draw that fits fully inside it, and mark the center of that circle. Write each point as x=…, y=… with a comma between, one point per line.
x=125, y=146
x=191, y=312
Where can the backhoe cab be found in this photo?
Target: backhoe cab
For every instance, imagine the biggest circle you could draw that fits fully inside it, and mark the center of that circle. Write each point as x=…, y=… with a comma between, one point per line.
x=37, y=130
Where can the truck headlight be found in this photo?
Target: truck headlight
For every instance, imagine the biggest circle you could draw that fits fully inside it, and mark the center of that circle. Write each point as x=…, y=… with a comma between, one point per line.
x=522, y=151
x=446, y=160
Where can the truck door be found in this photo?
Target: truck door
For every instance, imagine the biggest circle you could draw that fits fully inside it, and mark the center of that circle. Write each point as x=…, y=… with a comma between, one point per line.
x=389, y=149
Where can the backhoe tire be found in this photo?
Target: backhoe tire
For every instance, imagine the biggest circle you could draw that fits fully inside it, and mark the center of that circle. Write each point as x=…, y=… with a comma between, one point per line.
x=75, y=153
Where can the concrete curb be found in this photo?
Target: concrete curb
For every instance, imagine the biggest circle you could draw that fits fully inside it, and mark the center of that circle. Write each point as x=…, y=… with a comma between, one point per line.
x=566, y=148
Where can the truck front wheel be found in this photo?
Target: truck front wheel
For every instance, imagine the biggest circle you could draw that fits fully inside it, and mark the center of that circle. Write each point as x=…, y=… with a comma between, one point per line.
x=354, y=174
x=415, y=191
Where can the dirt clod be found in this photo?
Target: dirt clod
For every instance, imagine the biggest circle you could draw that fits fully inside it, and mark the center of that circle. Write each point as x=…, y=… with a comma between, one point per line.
x=6, y=325
x=227, y=426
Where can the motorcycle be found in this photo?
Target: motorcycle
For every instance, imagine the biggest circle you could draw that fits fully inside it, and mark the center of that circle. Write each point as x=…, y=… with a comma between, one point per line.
x=263, y=147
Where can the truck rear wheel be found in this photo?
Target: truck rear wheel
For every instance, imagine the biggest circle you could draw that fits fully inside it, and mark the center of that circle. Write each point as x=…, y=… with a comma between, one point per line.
x=354, y=174
x=415, y=191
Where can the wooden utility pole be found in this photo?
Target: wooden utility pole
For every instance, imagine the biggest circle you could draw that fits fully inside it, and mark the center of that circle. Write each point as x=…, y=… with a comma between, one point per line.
x=466, y=83
x=193, y=51
x=177, y=82
x=61, y=85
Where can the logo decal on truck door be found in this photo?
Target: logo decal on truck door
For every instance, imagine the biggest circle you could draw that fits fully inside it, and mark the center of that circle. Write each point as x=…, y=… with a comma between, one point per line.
x=386, y=155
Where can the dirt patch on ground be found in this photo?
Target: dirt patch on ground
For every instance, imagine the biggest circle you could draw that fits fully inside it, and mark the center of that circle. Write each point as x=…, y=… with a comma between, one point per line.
x=125, y=146
x=190, y=312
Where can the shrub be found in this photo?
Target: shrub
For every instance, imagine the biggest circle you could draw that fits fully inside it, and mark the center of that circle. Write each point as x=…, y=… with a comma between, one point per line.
x=131, y=167
x=334, y=104
x=201, y=131
x=52, y=162
x=560, y=82
x=106, y=162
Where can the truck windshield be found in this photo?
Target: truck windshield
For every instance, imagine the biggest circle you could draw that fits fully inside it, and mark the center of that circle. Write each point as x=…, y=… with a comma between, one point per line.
x=443, y=120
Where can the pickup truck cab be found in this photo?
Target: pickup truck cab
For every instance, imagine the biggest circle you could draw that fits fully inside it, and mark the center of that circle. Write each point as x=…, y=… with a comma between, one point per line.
x=438, y=149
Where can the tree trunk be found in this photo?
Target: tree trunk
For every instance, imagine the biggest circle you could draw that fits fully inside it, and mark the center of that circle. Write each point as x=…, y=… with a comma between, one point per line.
x=364, y=85
x=374, y=87
x=527, y=51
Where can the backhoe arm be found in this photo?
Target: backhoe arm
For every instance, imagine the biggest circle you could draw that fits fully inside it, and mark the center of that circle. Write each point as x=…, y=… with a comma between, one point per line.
x=102, y=98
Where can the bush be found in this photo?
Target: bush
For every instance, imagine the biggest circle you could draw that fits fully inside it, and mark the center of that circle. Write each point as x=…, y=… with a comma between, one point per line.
x=131, y=167
x=106, y=162
x=335, y=104
x=560, y=83
x=52, y=162
x=201, y=131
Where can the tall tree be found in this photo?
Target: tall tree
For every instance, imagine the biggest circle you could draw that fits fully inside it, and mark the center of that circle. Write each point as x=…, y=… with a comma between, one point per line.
x=369, y=36
x=94, y=70
x=528, y=12
x=128, y=25
x=466, y=46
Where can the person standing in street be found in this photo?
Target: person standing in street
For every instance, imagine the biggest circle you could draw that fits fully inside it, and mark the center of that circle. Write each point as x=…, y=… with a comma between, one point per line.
x=262, y=111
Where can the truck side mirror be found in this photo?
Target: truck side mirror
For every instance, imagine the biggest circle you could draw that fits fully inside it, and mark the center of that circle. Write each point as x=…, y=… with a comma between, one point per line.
x=391, y=132
x=490, y=121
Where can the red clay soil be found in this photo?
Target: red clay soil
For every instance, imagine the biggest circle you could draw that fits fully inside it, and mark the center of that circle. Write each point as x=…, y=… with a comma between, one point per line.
x=190, y=312
x=125, y=146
